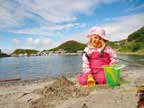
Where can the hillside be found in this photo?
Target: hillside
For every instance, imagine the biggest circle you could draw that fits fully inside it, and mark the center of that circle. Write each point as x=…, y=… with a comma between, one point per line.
x=134, y=42
x=70, y=46
x=24, y=51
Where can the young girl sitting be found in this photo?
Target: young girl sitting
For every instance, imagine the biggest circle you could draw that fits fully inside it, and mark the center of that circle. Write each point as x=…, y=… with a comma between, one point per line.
x=96, y=55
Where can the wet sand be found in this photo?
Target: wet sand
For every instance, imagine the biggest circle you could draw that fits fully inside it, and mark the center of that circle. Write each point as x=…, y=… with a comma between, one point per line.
x=63, y=93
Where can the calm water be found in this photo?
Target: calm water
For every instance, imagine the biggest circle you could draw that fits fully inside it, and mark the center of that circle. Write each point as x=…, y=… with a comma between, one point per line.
x=44, y=66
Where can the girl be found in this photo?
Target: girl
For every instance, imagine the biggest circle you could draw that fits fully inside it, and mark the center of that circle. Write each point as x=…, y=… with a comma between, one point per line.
x=96, y=55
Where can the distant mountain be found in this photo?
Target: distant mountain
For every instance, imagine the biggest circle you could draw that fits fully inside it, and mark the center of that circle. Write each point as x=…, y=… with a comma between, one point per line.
x=70, y=46
x=134, y=42
x=24, y=51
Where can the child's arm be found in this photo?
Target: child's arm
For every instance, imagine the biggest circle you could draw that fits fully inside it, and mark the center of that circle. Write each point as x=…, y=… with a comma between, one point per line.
x=113, y=56
x=85, y=64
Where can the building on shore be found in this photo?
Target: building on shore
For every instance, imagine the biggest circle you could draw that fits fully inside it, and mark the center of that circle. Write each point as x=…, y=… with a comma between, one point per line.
x=60, y=51
x=41, y=53
x=80, y=52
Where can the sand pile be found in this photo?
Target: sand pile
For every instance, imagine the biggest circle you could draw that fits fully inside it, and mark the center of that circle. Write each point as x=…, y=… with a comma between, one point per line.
x=61, y=89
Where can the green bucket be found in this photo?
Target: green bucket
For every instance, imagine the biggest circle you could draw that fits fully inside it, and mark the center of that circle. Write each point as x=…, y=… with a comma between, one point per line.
x=112, y=74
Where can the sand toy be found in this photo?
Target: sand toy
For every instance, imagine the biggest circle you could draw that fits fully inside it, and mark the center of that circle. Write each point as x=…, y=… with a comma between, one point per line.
x=112, y=73
x=91, y=82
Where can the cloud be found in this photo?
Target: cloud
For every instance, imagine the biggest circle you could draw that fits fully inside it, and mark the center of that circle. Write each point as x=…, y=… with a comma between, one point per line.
x=16, y=42
x=32, y=43
x=123, y=26
x=14, y=13
x=39, y=43
x=62, y=11
x=6, y=19
x=141, y=6
x=78, y=37
x=58, y=11
x=11, y=14
x=117, y=30
x=50, y=30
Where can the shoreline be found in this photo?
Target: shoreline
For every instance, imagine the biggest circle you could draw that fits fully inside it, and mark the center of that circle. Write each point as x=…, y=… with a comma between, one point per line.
x=80, y=54
x=25, y=82
x=8, y=83
x=130, y=53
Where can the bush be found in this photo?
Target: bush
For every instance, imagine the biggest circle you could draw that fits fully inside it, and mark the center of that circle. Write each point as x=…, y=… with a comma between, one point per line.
x=135, y=47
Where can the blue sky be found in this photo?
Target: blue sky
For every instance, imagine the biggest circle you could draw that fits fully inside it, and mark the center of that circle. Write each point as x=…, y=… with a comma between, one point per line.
x=44, y=24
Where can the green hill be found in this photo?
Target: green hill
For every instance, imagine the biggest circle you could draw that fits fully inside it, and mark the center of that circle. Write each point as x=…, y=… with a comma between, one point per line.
x=23, y=51
x=134, y=42
x=70, y=46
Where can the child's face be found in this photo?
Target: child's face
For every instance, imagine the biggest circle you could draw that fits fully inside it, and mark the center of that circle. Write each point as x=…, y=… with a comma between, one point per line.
x=96, y=41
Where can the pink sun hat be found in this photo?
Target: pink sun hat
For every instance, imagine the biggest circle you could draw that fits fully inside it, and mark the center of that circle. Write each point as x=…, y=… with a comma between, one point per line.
x=98, y=31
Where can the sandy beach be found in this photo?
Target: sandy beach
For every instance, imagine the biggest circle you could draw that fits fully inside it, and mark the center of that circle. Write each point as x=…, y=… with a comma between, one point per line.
x=67, y=93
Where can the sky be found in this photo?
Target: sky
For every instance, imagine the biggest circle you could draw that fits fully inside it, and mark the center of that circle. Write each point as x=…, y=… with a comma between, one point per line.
x=45, y=24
